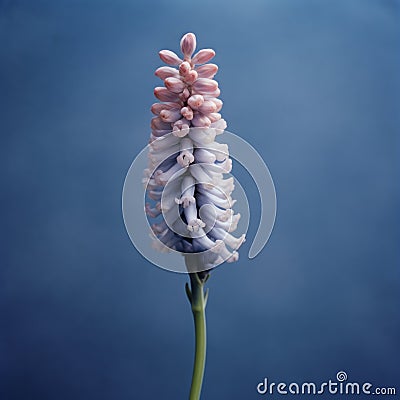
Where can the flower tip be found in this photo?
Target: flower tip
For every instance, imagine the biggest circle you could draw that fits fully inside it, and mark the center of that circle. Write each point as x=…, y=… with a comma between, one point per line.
x=188, y=45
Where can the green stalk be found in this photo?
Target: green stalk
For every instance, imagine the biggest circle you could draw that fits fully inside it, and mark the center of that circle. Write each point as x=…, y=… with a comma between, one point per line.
x=198, y=300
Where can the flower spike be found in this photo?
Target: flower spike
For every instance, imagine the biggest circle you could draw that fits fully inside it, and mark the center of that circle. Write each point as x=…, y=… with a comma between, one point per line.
x=186, y=165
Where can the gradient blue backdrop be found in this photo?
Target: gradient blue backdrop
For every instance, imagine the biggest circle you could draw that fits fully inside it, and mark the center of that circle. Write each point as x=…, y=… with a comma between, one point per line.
x=313, y=85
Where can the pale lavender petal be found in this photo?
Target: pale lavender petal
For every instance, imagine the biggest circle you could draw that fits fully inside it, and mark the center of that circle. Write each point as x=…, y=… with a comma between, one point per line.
x=219, y=149
x=216, y=191
x=233, y=242
x=162, y=178
x=200, y=120
x=200, y=238
x=210, y=198
x=193, y=222
x=186, y=156
x=210, y=211
x=229, y=225
x=203, y=137
x=219, y=126
x=187, y=188
x=157, y=157
x=204, y=156
x=200, y=174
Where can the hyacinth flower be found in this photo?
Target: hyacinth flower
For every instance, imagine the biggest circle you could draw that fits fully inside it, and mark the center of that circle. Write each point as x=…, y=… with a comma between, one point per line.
x=190, y=197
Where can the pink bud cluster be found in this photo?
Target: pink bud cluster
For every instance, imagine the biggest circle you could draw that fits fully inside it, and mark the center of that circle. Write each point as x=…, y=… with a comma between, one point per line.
x=190, y=94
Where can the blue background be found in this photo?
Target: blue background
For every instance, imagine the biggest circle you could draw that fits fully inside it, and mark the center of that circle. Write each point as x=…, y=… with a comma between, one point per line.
x=313, y=85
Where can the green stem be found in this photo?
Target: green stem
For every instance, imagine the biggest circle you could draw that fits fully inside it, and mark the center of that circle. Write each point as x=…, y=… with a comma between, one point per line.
x=198, y=301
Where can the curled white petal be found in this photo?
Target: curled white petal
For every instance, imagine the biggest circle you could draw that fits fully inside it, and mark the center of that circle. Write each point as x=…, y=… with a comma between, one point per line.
x=195, y=224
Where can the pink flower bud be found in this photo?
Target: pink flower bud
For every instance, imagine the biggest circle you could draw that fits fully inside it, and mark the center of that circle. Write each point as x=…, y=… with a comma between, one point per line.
x=188, y=45
x=187, y=113
x=184, y=68
x=208, y=107
x=184, y=95
x=174, y=85
x=169, y=57
x=195, y=101
x=170, y=116
x=218, y=103
x=200, y=120
x=163, y=94
x=205, y=85
x=214, y=117
x=181, y=128
x=207, y=70
x=158, y=124
x=166, y=72
x=211, y=95
x=181, y=123
x=156, y=108
x=203, y=56
x=191, y=77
